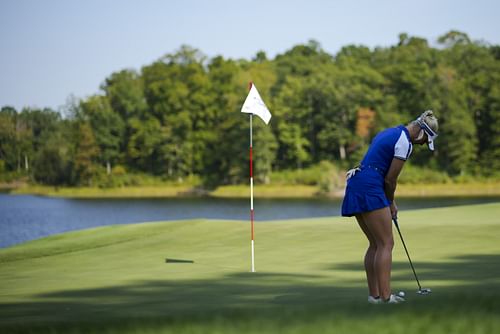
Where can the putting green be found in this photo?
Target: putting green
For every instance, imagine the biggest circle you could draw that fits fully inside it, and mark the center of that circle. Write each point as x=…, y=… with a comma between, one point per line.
x=193, y=276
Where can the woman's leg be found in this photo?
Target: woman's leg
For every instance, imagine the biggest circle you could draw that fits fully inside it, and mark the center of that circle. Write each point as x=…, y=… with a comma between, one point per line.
x=370, y=259
x=379, y=224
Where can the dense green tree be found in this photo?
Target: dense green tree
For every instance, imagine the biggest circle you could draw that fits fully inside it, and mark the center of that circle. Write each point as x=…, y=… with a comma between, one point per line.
x=108, y=128
x=8, y=145
x=180, y=115
x=178, y=91
x=479, y=72
x=52, y=163
x=265, y=151
x=144, y=144
x=490, y=125
x=290, y=115
x=34, y=127
x=409, y=69
x=226, y=147
x=54, y=159
x=125, y=92
x=86, y=155
x=457, y=141
x=23, y=134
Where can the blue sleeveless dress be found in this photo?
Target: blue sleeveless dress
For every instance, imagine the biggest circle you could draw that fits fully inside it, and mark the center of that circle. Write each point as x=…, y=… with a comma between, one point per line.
x=365, y=188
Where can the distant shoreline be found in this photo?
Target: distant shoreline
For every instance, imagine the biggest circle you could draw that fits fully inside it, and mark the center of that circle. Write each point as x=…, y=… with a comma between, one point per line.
x=242, y=191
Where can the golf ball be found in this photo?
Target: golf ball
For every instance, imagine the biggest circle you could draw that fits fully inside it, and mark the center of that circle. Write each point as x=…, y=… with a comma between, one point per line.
x=401, y=293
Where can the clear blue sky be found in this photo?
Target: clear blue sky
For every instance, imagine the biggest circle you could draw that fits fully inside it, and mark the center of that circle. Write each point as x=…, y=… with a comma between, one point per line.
x=52, y=49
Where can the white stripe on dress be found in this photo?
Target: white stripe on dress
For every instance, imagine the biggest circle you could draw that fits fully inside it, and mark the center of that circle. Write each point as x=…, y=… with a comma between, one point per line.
x=403, y=147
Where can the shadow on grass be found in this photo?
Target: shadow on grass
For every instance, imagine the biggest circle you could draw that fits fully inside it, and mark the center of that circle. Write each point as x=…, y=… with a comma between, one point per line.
x=262, y=297
x=470, y=269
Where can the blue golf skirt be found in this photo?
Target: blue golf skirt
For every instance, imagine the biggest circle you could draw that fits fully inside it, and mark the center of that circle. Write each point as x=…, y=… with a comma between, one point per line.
x=364, y=192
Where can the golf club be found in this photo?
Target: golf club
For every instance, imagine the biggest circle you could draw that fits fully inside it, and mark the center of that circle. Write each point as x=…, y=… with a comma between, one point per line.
x=421, y=291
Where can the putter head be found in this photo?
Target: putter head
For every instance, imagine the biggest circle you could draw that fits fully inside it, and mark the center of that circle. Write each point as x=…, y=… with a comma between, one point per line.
x=424, y=291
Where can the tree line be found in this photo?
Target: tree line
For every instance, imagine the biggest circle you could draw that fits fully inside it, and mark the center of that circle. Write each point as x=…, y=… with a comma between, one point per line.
x=180, y=116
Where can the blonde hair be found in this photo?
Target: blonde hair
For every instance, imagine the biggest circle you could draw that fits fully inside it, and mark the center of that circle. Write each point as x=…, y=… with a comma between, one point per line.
x=428, y=118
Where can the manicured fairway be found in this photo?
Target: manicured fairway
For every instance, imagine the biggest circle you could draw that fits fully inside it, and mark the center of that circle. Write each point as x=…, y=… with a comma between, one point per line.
x=309, y=279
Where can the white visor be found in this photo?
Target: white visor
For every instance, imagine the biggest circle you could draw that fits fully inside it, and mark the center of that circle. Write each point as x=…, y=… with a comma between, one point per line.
x=430, y=143
x=431, y=135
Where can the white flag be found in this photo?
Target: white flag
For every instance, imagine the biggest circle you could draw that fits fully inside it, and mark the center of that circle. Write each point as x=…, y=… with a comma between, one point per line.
x=255, y=105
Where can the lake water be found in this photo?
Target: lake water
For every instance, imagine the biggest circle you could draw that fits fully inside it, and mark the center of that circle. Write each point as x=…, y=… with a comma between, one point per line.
x=25, y=217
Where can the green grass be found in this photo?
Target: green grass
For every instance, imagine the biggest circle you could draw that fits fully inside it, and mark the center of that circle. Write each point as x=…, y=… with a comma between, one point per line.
x=261, y=191
x=403, y=190
x=449, y=189
x=160, y=191
x=267, y=191
x=309, y=278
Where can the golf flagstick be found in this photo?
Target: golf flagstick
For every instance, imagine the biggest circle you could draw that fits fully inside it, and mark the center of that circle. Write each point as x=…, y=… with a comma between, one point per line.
x=254, y=105
x=251, y=195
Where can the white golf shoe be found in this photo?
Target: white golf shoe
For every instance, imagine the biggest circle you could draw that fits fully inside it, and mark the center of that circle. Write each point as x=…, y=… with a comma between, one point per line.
x=394, y=299
x=373, y=300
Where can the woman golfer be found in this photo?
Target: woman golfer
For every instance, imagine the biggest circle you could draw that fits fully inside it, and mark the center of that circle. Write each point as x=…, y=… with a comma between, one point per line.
x=369, y=196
